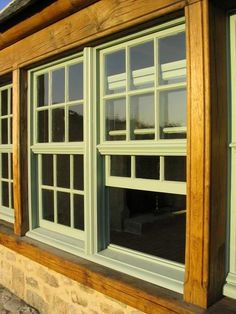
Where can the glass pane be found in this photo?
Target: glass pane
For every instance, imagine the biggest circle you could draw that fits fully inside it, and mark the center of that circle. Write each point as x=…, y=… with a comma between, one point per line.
x=147, y=167
x=12, y=196
x=42, y=90
x=4, y=102
x=63, y=171
x=4, y=131
x=116, y=119
x=78, y=172
x=142, y=65
x=63, y=208
x=121, y=166
x=48, y=205
x=58, y=86
x=148, y=222
x=58, y=125
x=142, y=117
x=115, y=77
x=10, y=131
x=5, y=173
x=173, y=114
x=11, y=101
x=172, y=57
x=11, y=156
x=43, y=126
x=79, y=212
x=5, y=194
x=76, y=81
x=47, y=169
x=175, y=168
x=76, y=123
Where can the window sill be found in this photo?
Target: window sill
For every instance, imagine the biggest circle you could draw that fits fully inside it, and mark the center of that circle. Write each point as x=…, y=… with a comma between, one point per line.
x=124, y=288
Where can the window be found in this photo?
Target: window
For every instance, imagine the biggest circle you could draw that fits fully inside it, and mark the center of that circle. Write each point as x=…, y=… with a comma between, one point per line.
x=108, y=154
x=6, y=171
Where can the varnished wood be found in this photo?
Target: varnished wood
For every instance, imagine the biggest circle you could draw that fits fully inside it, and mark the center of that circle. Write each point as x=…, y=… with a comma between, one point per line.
x=92, y=23
x=49, y=15
x=207, y=154
x=19, y=131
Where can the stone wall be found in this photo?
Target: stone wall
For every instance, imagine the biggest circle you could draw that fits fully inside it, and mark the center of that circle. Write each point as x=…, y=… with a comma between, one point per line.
x=51, y=292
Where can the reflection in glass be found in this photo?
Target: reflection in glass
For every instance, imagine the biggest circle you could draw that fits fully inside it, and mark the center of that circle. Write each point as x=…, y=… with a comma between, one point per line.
x=4, y=102
x=63, y=171
x=43, y=126
x=148, y=222
x=116, y=119
x=120, y=166
x=142, y=117
x=58, y=86
x=115, y=80
x=142, y=65
x=173, y=114
x=47, y=169
x=58, y=125
x=48, y=205
x=78, y=172
x=63, y=208
x=172, y=57
x=76, y=81
x=5, y=165
x=4, y=128
x=79, y=212
x=76, y=123
x=42, y=90
x=5, y=194
x=175, y=168
x=147, y=167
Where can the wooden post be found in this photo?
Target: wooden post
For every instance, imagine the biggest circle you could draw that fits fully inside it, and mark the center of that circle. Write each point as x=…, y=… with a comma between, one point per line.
x=19, y=131
x=207, y=155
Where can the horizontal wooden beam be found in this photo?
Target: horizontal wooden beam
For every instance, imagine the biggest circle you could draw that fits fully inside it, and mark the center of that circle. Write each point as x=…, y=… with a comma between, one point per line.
x=103, y=18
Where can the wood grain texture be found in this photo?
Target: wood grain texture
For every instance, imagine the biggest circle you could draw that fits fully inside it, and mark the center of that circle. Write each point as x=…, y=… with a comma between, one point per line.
x=207, y=154
x=101, y=19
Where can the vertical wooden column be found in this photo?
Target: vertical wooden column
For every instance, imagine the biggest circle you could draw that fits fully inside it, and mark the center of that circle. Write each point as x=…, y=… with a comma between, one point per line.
x=19, y=131
x=207, y=155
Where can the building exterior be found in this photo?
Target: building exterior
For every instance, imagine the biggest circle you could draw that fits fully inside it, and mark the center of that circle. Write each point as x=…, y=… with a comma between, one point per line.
x=117, y=155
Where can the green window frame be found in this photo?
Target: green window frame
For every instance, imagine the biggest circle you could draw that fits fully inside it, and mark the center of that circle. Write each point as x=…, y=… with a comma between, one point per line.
x=6, y=169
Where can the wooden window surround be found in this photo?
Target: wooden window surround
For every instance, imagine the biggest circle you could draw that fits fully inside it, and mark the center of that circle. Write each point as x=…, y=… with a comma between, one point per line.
x=206, y=158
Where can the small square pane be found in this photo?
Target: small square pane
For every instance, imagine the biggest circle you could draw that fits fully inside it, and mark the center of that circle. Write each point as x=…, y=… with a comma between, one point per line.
x=47, y=169
x=58, y=125
x=43, y=126
x=4, y=102
x=142, y=65
x=147, y=167
x=63, y=208
x=42, y=90
x=76, y=123
x=172, y=59
x=175, y=168
x=173, y=114
x=48, y=205
x=79, y=172
x=63, y=171
x=115, y=76
x=116, y=119
x=75, y=81
x=142, y=117
x=4, y=130
x=58, y=86
x=5, y=194
x=79, y=212
x=5, y=173
x=120, y=166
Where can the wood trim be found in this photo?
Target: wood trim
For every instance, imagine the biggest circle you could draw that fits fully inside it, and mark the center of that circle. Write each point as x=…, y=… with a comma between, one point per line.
x=49, y=15
x=103, y=18
x=19, y=131
x=139, y=294
x=207, y=155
